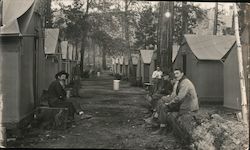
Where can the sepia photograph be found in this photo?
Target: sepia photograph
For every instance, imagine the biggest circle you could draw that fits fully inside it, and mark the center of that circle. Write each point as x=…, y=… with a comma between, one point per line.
x=124, y=74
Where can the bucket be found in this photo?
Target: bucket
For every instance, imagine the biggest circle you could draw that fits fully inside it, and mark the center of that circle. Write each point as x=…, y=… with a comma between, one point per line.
x=116, y=84
x=68, y=94
x=98, y=74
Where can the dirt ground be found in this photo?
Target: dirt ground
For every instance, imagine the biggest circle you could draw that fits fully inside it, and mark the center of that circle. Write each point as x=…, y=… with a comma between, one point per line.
x=117, y=122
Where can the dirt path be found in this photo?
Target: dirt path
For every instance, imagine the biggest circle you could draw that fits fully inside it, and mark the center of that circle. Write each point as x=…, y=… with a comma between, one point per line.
x=117, y=122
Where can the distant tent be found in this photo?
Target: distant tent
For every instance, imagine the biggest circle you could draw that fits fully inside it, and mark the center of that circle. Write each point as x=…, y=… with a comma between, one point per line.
x=144, y=65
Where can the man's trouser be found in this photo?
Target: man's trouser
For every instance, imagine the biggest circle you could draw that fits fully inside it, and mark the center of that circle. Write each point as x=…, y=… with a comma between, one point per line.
x=156, y=83
x=163, y=109
x=155, y=99
x=73, y=106
x=76, y=85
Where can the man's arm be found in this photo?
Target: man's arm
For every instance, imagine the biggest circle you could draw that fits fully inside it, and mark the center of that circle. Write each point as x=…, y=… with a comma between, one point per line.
x=154, y=75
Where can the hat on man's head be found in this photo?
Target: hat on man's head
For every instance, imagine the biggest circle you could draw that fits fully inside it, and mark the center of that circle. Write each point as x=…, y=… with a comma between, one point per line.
x=61, y=73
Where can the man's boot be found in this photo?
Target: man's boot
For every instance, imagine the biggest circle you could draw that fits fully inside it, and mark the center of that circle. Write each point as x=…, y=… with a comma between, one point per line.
x=161, y=131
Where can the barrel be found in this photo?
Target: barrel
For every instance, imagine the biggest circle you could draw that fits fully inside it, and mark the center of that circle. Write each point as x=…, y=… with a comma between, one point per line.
x=98, y=74
x=116, y=84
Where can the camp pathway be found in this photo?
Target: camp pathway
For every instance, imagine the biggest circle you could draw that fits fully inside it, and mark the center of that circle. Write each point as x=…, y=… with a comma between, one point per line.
x=117, y=121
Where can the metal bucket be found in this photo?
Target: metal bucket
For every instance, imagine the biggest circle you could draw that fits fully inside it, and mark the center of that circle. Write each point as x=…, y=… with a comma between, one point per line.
x=68, y=94
x=116, y=84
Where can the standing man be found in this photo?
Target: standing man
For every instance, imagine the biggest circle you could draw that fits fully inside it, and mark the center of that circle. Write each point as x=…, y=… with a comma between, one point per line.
x=185, y=100
x=156, y=78
x=76, y=80
x=166, y=90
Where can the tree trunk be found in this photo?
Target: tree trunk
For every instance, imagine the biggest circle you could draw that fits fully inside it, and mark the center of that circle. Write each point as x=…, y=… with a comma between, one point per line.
x=215, y=18
x=104, y=65
x=159, y=29
x=83, y=38
x=166, y=40
x=93, y=46
x=241, y=71
x=184, y=19
x=131, y=68
x=82, y=55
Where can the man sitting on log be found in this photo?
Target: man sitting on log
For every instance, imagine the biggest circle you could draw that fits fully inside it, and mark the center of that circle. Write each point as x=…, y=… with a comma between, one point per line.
x=57, y=97
x=184, y=99
x=166, y=89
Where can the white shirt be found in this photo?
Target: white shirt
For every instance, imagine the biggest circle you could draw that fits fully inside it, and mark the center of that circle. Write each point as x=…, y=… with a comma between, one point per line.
x=157, y=74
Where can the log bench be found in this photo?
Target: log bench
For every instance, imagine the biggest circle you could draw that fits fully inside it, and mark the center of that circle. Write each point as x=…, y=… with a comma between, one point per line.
x=204, y=131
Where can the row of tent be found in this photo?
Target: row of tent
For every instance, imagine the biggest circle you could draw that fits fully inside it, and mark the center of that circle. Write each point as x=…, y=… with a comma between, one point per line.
x=144, y=64
x=209, y=61
x=30, y=56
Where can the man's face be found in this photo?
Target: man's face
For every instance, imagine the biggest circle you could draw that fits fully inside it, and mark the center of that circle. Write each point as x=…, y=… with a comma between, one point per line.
x=62, y=77
x=158, y=68
x=178, y=74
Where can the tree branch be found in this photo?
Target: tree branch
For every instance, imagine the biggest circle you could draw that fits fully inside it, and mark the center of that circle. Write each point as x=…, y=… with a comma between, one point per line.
x=87, y=7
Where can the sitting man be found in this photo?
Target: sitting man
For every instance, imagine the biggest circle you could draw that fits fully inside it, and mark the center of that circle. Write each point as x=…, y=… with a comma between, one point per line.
x=166, y=89
x=183, y=100
x=57, y=97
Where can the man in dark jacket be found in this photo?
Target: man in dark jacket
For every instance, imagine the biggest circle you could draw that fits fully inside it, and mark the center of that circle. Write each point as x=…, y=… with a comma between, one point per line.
x=166, y=89
x=57, y=96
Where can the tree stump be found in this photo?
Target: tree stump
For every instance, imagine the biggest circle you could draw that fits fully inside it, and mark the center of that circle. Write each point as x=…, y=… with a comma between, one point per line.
x=51, y=117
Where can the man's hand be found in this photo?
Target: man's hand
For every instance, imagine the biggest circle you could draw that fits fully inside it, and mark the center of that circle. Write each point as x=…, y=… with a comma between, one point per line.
x=166, y=103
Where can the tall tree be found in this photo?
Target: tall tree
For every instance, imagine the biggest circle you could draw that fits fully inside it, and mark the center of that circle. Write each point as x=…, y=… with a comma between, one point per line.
x=184, y=19
x=215, y=18
x=145, y=33
x=166, y=35
x=194, y=15
x=245, y=112
x=48, y=15
x=75, y=23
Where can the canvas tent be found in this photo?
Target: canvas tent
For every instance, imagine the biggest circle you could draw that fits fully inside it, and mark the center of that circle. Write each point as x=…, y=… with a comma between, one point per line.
x=144, y=69
x=65, y=57
x=125, y=66
x=117, y=65
x=200, y=58
x=21, y=44
x=121, y=59
x=175, y=52
x=53, y=53
x=232, y=95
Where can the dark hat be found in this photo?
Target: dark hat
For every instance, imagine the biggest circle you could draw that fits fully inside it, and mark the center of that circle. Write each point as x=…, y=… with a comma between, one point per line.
x=61, y=73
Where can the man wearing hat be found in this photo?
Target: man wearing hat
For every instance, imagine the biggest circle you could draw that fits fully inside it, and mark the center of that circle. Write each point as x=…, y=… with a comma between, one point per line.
x=57, y=96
